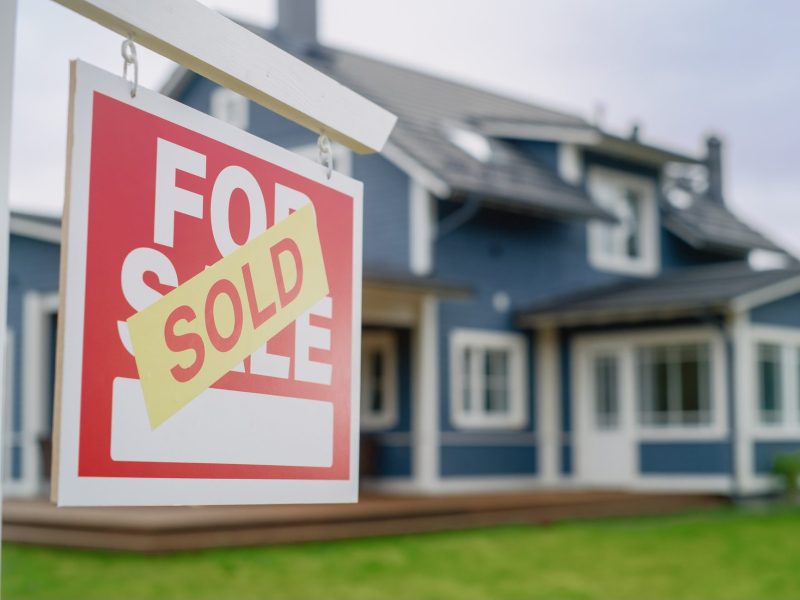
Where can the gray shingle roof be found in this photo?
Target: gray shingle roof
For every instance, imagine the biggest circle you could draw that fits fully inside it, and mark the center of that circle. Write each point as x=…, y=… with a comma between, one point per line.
x=709, y=225
x=690, y=291
x=426, y=105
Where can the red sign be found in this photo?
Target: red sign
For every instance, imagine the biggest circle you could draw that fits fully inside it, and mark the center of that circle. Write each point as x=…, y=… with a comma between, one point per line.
x=158, y=194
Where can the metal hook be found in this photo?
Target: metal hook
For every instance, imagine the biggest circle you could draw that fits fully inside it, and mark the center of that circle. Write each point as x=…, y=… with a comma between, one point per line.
x=129, y=56
x=325, y=154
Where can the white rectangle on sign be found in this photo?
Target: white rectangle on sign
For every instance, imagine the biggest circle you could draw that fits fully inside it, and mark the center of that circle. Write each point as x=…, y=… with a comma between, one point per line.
x=258, y=429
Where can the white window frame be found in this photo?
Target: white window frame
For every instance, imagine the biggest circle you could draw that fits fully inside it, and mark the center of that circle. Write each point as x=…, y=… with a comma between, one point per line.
x=384, y=342
x=10, y=437
x=342, y=156
x=674, y=401
x=37, y=308
x=601, y=181
x=788, y=339
x=482, y=340
x=626, y=344
x=226, y=105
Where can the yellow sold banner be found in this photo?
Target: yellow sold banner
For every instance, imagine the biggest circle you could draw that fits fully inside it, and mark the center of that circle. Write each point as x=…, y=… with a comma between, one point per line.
x=187, y=340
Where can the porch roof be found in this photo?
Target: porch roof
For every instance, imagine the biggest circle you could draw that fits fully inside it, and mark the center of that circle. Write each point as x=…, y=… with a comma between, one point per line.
x=396, y=280
x=696, y=291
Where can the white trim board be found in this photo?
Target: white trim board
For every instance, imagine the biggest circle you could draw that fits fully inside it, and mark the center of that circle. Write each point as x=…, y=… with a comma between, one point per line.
x=230, y=55
x=33, y=229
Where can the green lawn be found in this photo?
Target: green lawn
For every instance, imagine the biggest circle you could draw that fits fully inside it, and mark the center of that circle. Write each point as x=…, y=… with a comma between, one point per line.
x=721, y=554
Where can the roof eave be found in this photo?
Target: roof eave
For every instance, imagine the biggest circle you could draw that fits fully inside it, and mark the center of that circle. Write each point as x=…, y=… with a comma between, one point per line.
x=626, y=148
x=545, y=319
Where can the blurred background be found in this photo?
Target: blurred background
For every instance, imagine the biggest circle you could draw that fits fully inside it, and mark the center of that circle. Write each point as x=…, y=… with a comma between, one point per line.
x=581, y=309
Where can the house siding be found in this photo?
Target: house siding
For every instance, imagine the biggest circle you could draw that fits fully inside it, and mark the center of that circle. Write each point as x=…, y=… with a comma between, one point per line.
x=783, y=312
x=685, y=458
x=497, y=459
x=765, y=453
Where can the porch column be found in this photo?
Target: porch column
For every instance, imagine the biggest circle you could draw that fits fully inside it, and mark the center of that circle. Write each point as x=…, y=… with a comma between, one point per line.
x=548, y=389
x=425, y=413
x=742, y=435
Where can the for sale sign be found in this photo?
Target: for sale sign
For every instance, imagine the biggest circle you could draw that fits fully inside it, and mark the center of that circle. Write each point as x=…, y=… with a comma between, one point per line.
x=210, y=319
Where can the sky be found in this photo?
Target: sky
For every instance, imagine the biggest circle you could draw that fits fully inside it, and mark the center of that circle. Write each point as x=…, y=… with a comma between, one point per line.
x=680, y=69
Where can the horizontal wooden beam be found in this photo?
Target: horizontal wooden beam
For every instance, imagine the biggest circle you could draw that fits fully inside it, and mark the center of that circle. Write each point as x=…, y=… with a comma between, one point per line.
x=215, y=47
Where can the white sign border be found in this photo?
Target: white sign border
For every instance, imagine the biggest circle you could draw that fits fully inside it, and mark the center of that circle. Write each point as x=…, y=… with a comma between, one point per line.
x=73, y=490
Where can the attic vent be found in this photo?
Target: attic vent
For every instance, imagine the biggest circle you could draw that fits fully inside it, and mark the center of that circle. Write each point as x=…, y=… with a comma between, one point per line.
x=230, y=107
x=471, y=142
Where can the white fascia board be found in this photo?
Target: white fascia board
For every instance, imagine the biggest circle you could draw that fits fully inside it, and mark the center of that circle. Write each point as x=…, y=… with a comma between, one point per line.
x=215, y=47
x=585, y=136
x=765, y=295
x=36, y=230
x=416, y=171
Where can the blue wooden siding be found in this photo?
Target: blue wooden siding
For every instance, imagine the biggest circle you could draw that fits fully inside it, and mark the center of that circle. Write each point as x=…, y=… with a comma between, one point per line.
x=386, y=213
x=466, y=461
x=765, y=453
x=386, y=209
x=685, y=458
x=33, y=266
x=784, y=312
x=393, y=446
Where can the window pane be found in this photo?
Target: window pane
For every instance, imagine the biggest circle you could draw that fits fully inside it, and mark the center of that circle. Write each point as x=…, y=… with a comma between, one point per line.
x=496, y=388
x=674, y=385
x=606, y=392
x=466, y=383
x=769, y=383
x=377, y=403
x=633, y=224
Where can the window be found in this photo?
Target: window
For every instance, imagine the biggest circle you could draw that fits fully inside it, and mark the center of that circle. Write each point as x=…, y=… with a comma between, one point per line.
x=770, y=384
x=230, y=107
x=674, y=385
x=378, y=380
x=487, y=379
x=471, y=142
x=606, y=391
x=629, y=245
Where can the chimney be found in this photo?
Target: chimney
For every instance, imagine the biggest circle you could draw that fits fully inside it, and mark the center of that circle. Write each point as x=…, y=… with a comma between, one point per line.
x=714, y=166
x=297, y=22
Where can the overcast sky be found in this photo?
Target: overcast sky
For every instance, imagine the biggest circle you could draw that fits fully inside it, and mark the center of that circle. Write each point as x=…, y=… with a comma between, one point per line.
x=681, y=68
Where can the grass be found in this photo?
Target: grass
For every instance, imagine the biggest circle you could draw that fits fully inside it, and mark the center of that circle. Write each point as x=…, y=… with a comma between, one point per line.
x=720, y=554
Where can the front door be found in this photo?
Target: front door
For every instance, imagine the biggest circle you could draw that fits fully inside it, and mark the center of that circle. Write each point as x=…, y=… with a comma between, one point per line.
x=605, y=451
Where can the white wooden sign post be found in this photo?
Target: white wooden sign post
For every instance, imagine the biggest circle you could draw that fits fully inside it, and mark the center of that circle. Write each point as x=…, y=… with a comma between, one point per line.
x=198, y=290
x=8, y=17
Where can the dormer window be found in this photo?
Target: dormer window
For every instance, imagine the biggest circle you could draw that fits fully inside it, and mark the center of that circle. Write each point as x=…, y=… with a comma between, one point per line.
x=471, y=142
x=630, y=244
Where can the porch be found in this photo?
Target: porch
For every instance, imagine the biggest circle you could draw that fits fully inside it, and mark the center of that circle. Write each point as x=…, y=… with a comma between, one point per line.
x=169, y=529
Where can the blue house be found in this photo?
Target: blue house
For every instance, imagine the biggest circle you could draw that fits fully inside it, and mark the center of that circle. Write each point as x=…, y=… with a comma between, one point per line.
x=546, y=305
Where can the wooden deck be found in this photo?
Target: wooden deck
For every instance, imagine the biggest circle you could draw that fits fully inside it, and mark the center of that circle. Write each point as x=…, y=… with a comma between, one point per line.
x=171, y=529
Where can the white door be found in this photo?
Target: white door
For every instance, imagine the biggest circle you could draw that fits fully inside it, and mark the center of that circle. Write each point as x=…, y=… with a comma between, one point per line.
x=604, y=412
